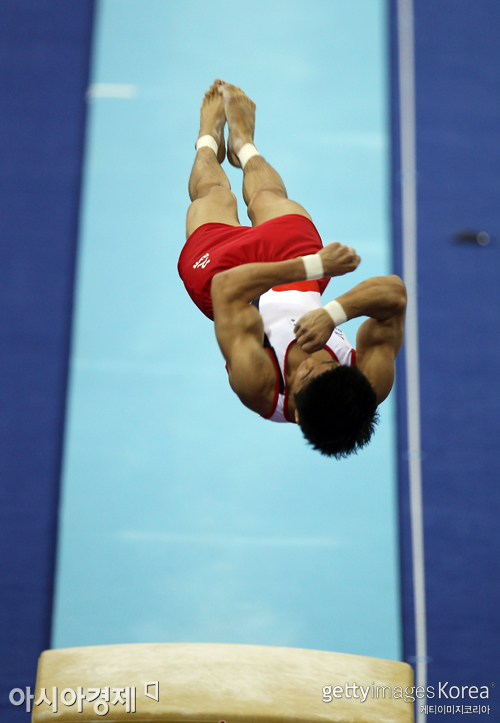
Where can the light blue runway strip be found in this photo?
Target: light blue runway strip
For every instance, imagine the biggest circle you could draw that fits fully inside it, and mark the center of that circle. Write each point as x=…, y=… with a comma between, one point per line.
x=185, y=517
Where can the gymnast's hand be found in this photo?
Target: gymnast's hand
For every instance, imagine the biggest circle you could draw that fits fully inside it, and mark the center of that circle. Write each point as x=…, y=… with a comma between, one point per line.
x=338, y=259
x=314, y=329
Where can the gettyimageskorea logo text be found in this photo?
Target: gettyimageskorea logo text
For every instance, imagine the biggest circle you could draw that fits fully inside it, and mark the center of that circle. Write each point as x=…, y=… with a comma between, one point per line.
x=409, y=694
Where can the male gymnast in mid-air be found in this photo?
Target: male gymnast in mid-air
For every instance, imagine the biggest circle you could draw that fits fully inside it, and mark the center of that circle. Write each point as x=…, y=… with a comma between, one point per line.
x=286, y=357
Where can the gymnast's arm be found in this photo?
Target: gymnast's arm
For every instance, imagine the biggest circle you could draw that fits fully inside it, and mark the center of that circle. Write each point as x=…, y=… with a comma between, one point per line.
x=240, y=331
x=379, y=338
x=238, y=324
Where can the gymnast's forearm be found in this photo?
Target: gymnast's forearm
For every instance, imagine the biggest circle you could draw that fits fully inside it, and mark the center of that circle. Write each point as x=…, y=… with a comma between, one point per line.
x=381, y=298
x=247, y=282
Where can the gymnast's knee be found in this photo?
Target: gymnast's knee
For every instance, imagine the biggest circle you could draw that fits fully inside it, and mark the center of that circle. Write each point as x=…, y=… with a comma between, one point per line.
x=219, y=196
x=264, y=199
x=218, y=205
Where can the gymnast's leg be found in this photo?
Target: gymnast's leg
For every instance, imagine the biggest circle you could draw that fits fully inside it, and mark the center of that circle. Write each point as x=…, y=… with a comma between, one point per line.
x=263, y=189
x=209, y=188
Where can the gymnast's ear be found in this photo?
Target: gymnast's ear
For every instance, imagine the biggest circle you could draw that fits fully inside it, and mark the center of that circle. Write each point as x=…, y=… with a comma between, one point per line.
x=296, y=416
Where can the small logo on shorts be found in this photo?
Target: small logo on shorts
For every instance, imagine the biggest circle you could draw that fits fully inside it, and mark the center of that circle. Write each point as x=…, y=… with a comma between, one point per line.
x=202, y=262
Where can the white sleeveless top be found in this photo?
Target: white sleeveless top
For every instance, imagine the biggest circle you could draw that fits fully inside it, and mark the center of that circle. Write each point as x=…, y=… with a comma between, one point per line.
x=280, y=310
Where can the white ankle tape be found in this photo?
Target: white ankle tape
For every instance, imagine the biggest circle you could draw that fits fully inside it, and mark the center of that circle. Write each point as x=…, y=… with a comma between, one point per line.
x=314, y=266
x=207, y=142
x=336, y=312
x=246, y=152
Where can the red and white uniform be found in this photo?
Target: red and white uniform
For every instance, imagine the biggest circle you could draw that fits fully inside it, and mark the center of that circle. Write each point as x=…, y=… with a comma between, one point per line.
x=215, y=247
x=280, y=310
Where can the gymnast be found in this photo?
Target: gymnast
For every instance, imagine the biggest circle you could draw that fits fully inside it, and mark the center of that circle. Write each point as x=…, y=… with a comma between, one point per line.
x=286, y=357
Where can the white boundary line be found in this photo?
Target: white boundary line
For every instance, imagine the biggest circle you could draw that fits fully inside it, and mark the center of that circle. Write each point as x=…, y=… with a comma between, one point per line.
x=111, y=90
x=409, y=223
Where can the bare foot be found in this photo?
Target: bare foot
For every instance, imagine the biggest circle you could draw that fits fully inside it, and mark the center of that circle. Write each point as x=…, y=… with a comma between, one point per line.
x=240, y=114
x=213, y=118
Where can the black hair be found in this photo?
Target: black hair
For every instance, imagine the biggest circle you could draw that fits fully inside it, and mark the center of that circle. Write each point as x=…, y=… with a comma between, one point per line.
x=337, y=411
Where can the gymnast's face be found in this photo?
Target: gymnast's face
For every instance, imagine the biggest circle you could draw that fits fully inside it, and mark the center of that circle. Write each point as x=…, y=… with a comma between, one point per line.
x=309, y=369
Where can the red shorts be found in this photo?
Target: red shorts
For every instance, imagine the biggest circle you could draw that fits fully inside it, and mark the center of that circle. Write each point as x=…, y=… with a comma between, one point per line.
x=215, y=247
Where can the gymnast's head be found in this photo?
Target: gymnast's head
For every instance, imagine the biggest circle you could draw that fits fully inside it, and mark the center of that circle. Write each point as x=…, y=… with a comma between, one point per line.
x=335, y=406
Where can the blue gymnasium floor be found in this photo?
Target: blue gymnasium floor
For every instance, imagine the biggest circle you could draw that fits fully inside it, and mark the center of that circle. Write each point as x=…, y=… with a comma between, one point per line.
x=185, y=517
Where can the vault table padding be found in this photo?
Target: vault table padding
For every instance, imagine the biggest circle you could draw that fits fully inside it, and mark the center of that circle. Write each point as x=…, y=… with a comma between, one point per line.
x=219, y=682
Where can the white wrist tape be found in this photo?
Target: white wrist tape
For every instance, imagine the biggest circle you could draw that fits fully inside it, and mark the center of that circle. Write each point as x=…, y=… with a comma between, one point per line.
x=246, y=152
x=336, y=312
x=314, y=267
x=207, y=142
